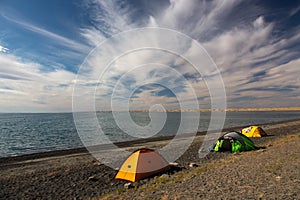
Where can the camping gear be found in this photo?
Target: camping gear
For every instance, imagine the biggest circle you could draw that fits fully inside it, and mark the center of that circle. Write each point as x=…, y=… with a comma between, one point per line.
x=253, y=131
x=141, y=164
x=234, y=142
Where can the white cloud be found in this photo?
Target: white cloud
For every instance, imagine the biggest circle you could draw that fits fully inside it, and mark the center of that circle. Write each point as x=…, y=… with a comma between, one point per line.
x=109, y=18
x=3, y=49
x=197, y=19
x=241, y=51
x=23, y=87
x=259, y=22
x=232, y=47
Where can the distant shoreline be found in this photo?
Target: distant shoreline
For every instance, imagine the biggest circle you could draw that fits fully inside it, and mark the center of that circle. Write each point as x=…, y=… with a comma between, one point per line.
x=201, y=110
x=263, y=109
x=217, y=110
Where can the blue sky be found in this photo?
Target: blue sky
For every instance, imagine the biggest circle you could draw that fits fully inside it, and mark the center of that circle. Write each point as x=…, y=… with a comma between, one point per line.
x=255, y=45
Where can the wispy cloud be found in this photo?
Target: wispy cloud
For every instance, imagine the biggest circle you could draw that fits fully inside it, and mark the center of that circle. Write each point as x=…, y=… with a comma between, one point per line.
x=3, y=49
x=295, y=11
x=241, y=50
x=23, y=84
x=108, y=18
x=53, y=36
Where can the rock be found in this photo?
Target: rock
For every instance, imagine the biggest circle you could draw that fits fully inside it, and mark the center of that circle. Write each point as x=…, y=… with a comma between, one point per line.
x=174, y=164
x=164, y=176
x=128, y=185
x=261, y=150
x=92, y=178
x=278, y=178
x=97, y=163
x=135, y=184
x=261, y=196
x=144, y=181
x=191, y=165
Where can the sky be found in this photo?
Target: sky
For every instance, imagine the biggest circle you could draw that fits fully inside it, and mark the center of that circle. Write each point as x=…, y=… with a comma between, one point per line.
x=49, y=47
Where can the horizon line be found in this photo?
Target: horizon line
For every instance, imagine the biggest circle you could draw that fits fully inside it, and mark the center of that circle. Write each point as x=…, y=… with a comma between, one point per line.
x=176, y=110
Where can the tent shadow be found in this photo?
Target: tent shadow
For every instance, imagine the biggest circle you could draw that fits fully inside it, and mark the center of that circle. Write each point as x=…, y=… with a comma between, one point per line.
x=268, y=135
x=259, y=148
x=174, y=169
x=171, y=171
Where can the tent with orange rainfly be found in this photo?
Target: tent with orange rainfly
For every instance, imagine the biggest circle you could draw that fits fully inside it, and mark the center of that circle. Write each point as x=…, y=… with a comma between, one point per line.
x=253, y=131
x=141, y=164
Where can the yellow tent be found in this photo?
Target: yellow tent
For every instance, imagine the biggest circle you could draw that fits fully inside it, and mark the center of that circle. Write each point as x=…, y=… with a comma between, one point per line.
x=141, y=164
x=253, y=131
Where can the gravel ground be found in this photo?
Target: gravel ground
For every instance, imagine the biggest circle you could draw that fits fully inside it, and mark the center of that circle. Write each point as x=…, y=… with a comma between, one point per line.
x=272, y=173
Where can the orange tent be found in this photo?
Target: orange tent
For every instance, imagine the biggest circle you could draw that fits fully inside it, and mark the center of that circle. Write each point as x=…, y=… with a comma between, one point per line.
x=141, y=164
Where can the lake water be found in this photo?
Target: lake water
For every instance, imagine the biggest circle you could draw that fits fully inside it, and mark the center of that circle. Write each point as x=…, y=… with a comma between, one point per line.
x=29, y=133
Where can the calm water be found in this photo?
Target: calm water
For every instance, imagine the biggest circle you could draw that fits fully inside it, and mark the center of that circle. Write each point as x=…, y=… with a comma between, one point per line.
x=28, y=133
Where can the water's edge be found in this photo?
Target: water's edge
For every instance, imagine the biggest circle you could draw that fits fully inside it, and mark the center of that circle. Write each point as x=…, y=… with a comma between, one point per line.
x=82, y=150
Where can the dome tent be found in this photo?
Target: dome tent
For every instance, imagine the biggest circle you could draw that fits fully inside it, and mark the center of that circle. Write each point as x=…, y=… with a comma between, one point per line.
x=253, y=131
x=234, y=142
x=141, y=164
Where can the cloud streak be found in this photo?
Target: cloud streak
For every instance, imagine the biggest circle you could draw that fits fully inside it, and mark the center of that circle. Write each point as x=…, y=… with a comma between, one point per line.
x=58, y=38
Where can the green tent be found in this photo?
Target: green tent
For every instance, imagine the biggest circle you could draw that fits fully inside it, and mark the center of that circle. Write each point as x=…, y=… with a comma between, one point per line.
x=234, y=142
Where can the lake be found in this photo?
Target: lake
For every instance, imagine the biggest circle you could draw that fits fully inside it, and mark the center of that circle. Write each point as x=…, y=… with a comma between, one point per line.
x=24, y=133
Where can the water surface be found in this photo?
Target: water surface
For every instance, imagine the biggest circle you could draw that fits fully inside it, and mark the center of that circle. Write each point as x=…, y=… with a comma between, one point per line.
x=27, y=133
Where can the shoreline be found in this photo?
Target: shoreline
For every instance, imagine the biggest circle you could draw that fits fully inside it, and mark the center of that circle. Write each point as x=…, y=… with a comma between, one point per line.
x=200, y=110
x=131, y=143
x=76, y=174
x=124, y=144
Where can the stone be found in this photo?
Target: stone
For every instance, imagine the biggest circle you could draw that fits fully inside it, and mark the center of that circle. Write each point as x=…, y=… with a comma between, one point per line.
x=174, y=164
x=128, y=185
x=92, y=178
x=261, y=150
x=192, y=165
x=164, y=176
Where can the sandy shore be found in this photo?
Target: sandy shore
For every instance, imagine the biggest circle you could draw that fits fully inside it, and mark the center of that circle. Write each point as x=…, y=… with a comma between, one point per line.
x=75, y=173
